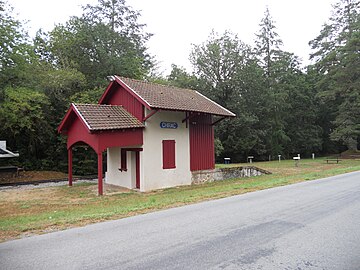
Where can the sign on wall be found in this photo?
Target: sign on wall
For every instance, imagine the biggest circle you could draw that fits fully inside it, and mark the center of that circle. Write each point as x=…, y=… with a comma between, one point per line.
x=168, y=125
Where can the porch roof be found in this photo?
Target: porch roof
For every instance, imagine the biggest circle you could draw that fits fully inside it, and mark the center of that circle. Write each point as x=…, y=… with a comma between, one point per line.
x=101, y=117
x=107, y=117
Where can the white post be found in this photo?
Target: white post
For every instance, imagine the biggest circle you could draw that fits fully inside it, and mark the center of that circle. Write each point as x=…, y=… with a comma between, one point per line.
x=297, y=159
x=313, y=155
x=279, y=157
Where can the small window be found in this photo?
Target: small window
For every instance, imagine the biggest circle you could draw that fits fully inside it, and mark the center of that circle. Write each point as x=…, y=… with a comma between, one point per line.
x=168, y=154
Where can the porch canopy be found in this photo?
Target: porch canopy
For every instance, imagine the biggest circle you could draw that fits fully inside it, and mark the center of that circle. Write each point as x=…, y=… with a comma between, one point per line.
x=100, y=127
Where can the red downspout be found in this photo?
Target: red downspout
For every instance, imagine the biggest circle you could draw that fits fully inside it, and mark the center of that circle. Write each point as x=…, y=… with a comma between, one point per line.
x=100, y=176
x=70, y=166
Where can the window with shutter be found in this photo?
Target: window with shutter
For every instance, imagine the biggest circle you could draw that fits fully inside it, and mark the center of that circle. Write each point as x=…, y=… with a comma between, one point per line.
x=168, y=154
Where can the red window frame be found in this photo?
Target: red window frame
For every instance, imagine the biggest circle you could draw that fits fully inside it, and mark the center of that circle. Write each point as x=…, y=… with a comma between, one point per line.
x=168, y=147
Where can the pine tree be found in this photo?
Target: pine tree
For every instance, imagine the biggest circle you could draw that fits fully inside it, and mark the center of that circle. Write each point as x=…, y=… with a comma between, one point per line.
x=273, y=61
x=338, y=62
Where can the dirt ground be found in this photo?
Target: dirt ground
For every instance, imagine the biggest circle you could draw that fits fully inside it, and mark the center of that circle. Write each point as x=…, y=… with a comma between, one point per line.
x=28, y=176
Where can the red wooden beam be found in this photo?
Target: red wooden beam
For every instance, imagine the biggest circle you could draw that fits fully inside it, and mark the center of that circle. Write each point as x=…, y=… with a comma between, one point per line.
x=100, y=175
x=133, y=149
x=70, y=166
x=217, y=121
x=150, y=114
x=189, y=117
x=137, y=169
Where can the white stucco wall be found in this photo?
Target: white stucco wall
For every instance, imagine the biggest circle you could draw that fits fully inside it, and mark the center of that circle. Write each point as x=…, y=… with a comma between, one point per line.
x=152, y=175
x=113, y=175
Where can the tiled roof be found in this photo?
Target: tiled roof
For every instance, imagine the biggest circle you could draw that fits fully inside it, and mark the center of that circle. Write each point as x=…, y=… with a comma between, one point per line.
x=173, y=98
x=106, y=117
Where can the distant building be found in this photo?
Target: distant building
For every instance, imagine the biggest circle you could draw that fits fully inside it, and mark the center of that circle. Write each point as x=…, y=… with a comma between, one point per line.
x=155, y=135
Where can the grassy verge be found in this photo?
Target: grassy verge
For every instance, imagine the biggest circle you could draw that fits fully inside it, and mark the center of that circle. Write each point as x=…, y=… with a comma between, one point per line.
x=27, y=212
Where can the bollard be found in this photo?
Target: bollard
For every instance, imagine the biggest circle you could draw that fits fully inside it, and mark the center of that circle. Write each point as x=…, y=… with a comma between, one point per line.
x=297, y=159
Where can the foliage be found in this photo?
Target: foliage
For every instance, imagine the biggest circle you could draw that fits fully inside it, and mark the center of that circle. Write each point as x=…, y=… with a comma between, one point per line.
x=217, y=63
x=88, y=96
x=23, y=118
x=219, y=148
x=338, y=61
x=15, y=50
x=275, y=64
x=180, y=78
x=105, y=40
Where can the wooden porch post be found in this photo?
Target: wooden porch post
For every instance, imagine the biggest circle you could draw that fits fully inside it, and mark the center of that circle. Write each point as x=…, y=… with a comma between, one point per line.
x=70, y=177
x=100, y=175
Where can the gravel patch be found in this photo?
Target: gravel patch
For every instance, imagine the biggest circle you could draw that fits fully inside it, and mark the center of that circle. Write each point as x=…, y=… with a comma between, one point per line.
x=48, y=184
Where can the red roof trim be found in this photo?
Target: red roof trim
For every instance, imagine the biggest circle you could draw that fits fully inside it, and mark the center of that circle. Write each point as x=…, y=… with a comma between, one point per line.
x=127, y=88
x=67, y=115
x=101, y=100
x=132, y=92
x=64, y=120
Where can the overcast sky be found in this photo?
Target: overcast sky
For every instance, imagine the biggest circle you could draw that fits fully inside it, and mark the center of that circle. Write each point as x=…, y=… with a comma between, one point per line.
x=177, y=24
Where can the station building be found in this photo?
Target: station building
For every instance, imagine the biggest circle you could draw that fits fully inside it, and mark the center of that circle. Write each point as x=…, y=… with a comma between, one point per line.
x=155, y=136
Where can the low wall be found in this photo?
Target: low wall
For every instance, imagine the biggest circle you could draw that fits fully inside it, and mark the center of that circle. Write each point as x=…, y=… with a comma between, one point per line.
x=226, y=173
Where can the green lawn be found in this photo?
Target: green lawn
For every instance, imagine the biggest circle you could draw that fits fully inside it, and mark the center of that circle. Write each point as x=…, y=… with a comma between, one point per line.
x=24, y=212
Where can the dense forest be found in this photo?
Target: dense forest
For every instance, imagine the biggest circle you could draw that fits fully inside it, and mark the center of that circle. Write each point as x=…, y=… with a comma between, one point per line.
x=282, y=107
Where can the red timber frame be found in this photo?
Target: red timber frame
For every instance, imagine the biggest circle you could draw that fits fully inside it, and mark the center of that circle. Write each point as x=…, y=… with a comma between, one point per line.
x=77, y=132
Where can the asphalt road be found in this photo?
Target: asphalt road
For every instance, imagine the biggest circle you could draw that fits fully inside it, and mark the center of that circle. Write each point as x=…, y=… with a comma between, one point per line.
x=310, y=225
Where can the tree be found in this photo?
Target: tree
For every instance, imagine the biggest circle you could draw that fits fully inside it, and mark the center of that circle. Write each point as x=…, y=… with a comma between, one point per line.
x=179, y=77
x=268, y=45
x=275, y=64
x=23, y=118
x=230, y=76
x=15, y=50
x=217, y=62
x=336, y=52
x=302, y=119
x=59, y=85
x=105, y=40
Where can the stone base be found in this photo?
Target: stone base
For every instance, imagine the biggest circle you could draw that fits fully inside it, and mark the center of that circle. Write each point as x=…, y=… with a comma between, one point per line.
x=226, y=173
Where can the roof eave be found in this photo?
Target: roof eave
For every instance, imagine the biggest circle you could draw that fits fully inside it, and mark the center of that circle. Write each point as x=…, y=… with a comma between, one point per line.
x=180, y=110
x=228, y=111
x=113, y=129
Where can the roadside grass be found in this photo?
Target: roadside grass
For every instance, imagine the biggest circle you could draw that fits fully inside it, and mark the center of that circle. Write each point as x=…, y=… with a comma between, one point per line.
x=41, y=210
